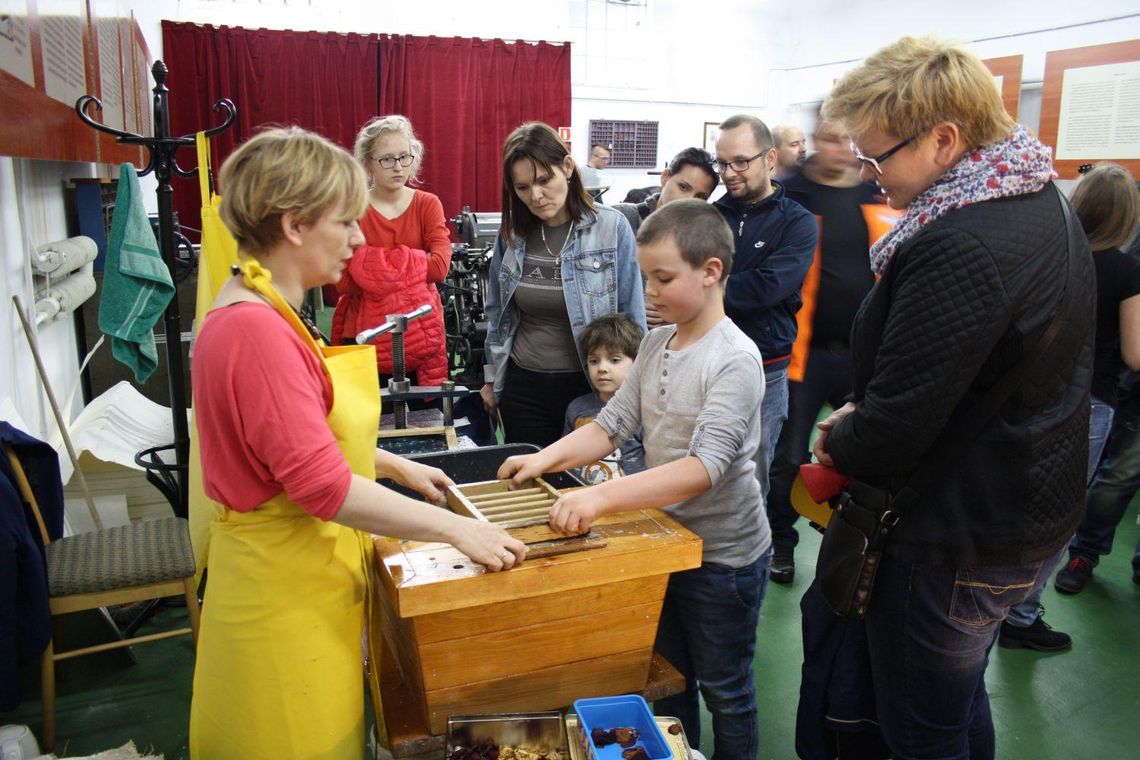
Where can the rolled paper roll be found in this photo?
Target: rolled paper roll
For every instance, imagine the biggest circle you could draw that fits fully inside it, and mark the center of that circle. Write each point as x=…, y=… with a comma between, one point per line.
x=63, y=256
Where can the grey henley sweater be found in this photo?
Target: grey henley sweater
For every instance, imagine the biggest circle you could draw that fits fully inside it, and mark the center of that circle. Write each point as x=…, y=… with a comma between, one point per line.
x=703, y=401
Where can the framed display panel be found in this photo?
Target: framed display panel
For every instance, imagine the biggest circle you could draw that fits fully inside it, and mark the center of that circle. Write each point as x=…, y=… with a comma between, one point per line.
x=49, y=58
x=708, y=138
x=1090, y=106
x=1007, y=72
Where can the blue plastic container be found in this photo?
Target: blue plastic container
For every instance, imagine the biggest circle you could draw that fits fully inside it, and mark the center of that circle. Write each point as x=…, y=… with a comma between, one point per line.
x=626, y=711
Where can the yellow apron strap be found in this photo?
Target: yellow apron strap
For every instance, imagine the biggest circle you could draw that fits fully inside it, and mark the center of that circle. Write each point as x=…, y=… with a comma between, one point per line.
x=203, y=166
x=260, y=280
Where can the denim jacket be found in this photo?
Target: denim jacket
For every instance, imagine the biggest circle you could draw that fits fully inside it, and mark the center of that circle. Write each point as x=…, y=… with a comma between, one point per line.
x=599, y=277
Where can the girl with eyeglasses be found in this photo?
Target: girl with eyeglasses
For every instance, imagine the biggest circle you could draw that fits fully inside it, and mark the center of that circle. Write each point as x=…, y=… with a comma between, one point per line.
x=406, y=251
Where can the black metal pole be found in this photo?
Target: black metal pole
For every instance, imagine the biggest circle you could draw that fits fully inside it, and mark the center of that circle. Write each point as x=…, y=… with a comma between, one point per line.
x=172, y=319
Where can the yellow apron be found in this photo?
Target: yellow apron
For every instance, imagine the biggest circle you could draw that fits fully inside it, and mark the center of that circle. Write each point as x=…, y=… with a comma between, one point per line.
x=279, y=671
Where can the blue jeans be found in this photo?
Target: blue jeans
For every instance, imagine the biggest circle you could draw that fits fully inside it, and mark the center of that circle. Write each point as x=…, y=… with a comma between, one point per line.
x=1116, y=482
x=708, y=632
x=929, y=634
x=773, y=412
x=1100, y=423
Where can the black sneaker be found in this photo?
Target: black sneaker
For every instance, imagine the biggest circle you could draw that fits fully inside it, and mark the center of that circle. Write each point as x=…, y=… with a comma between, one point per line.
x=1039, y=636
x=1075, y=576
x=783, y=567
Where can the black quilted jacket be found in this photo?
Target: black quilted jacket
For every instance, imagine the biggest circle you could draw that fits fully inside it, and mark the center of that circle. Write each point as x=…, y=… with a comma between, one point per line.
x=957, y=306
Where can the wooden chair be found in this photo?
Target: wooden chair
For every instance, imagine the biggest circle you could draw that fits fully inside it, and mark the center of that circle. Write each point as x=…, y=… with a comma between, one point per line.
x=132, y=563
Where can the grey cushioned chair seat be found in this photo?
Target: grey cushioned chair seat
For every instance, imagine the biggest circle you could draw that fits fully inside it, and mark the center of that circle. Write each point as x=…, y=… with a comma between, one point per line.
x=151, y=551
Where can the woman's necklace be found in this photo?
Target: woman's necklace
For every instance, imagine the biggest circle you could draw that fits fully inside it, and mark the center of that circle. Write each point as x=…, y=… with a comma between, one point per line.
x=562, y=250
x=307, y=321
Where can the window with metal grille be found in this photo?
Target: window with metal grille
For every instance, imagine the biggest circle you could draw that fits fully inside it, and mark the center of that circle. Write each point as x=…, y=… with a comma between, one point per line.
x=632, y=144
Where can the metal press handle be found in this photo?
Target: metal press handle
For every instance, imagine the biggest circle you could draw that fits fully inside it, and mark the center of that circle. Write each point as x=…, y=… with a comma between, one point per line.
x=394, y=321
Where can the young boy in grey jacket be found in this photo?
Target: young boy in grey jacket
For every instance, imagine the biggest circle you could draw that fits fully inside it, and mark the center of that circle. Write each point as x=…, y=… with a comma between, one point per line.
x=695, y=390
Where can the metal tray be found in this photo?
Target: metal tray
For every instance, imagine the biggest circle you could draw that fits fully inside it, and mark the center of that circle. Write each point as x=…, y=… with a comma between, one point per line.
x=543, y=730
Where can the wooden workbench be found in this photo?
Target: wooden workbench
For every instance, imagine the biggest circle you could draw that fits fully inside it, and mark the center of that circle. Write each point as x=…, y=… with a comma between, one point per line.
x=460, y=640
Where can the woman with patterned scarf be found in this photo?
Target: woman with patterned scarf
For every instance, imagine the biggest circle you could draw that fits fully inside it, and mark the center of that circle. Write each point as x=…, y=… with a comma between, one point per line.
x=973, y=275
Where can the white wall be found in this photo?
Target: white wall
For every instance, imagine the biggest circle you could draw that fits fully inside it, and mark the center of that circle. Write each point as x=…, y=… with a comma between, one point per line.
x=815, y=54
x=31, y=214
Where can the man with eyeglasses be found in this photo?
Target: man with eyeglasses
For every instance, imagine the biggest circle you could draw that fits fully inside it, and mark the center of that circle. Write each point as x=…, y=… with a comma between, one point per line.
x=851, y=216
x=775, y=239
x=593, y=177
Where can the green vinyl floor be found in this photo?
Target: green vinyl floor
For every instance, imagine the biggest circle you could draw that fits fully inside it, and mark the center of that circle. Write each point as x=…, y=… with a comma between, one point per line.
x=1079, y=704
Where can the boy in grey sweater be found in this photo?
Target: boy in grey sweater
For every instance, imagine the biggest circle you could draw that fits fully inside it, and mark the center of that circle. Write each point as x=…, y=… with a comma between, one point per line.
x=695, y=389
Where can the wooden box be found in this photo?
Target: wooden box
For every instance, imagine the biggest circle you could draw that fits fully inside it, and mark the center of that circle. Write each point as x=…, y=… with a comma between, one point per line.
x=535, y=637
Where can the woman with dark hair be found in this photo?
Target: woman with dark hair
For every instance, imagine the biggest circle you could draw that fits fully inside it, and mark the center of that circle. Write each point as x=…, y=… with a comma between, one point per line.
x=690, y=174
x=559, y=263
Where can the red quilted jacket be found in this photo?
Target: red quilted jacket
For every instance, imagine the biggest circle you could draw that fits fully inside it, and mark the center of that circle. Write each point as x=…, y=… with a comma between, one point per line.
x=382, y=281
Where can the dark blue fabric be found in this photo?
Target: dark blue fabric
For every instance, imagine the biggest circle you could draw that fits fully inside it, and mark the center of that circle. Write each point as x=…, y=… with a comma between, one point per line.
x=25, y=618
x=775, y=243
x=836, y=695
x=708, y=632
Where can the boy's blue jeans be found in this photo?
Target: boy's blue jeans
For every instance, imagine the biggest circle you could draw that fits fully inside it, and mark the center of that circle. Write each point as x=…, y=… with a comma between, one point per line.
x=708, y=632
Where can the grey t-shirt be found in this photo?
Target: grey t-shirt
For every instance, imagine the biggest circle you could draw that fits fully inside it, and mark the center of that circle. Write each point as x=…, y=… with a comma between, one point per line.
x=544, y=341
x=629, y=459
x=703, y=401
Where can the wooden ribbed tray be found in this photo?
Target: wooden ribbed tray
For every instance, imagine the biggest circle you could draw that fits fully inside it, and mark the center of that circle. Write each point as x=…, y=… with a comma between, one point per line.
x=524, y=512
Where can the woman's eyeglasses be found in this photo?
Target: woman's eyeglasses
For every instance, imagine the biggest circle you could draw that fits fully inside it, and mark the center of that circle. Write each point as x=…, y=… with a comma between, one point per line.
x=874, y=162
x=388, y=162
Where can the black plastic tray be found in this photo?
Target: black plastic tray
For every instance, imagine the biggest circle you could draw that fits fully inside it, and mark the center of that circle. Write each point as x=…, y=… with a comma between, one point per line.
x=474, y=465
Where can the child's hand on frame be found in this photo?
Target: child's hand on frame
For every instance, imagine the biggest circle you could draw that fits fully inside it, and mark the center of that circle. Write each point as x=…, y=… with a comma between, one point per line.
x=576, y=511
x=520, y=469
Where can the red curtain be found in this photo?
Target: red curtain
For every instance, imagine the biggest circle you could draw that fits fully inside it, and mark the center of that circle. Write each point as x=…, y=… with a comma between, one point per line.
x=322, y=81
x=464, y=96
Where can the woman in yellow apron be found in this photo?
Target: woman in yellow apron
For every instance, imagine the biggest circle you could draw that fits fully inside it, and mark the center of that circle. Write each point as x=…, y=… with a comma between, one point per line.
x=287, y=432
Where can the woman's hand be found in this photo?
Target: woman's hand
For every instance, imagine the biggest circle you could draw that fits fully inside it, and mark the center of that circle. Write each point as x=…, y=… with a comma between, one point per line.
x=430, y=482
x=825, y=427
x=488, y=544
x=521, y=468
x=575, y=512
x=653, y=317
x=487, y=393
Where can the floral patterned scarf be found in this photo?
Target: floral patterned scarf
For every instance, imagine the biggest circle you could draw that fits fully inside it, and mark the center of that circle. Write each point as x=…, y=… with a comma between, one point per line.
x=1018, y=165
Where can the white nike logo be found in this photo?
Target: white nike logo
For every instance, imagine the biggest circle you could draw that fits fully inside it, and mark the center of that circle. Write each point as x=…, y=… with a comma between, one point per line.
x=759, y=244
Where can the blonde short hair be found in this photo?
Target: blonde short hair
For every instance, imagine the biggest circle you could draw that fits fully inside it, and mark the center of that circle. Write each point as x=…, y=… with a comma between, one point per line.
x=282, y=170
x=1108, y=205
x=382, y=125
x=916, y=83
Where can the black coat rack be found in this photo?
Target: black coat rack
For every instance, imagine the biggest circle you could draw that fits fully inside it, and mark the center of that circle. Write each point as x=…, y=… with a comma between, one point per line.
x=170, y=478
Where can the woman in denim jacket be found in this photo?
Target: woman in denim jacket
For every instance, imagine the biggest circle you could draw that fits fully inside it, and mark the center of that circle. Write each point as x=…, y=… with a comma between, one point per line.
x=559, y=263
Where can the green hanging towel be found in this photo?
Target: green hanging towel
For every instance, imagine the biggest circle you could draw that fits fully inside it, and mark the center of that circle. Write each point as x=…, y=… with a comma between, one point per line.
x=136, y=283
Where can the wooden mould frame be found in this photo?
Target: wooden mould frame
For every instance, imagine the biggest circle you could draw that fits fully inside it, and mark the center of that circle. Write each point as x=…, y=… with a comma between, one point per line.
x=493, y=501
